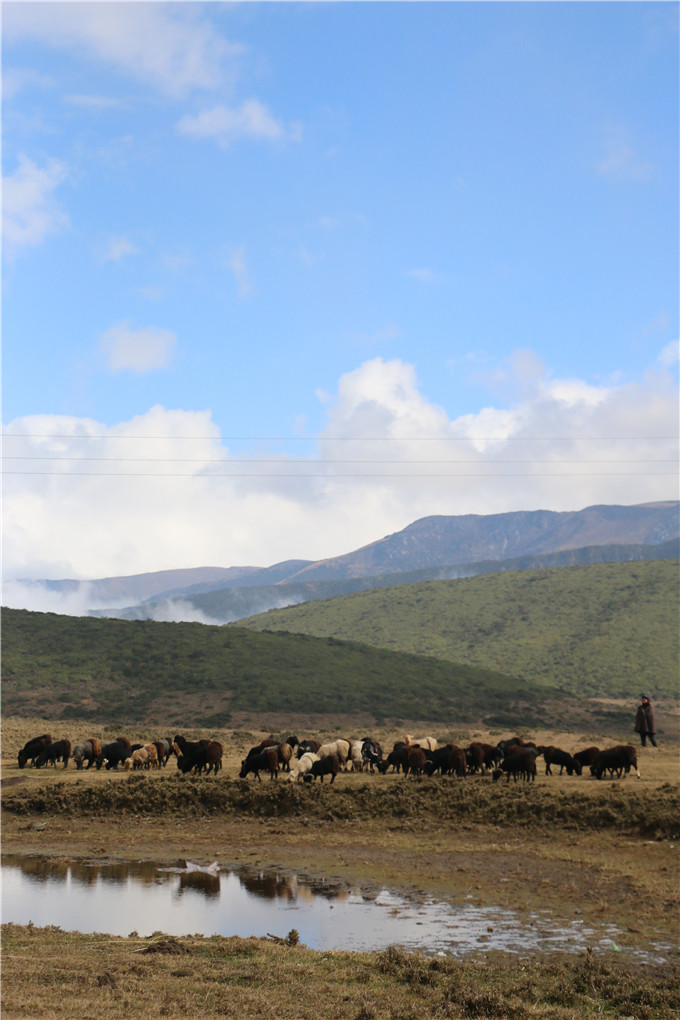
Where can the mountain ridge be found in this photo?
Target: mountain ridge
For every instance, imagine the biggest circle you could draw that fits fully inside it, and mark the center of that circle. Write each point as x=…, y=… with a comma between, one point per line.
x=473, y=542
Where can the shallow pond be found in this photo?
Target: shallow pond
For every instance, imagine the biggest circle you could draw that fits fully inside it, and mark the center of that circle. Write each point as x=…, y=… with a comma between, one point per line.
x=119, y=898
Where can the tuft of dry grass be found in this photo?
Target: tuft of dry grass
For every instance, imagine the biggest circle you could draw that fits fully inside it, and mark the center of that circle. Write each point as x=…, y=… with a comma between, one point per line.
x=107, y=977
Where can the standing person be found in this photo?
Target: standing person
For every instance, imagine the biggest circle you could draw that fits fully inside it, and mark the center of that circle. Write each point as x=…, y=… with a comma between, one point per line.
x=644, y=721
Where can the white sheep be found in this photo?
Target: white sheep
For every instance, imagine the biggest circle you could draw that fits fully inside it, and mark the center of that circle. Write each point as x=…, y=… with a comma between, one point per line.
x=339, y=747
x=302, y=766
x=427, y=743
x=356, y=756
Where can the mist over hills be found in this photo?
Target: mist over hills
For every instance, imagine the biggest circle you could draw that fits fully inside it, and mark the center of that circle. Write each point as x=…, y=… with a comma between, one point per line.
x=432, y=548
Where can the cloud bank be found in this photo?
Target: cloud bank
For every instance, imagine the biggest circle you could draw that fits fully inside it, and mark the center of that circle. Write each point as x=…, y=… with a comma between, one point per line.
x=85, y=500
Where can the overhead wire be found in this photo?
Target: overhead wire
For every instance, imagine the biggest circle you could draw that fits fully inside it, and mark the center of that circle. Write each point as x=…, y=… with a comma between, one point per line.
x=313, y=463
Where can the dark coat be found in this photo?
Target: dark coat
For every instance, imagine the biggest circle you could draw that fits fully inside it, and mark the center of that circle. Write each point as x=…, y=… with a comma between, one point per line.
x=644, y=719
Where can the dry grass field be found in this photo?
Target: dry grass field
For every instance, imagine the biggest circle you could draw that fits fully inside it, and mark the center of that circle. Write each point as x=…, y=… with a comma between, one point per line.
x=605, y=851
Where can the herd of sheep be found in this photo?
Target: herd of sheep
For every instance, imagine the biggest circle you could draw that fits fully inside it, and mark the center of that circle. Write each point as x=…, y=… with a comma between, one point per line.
x=514, y=758
x=311, y=759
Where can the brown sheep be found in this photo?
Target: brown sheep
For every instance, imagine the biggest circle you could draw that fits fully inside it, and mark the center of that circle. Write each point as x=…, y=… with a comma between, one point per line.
x=415, y=761
x=284, y=753
x=152, y=752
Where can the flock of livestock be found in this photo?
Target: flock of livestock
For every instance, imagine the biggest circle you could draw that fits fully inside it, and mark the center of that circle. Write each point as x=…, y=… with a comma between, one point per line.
x=310, y=759
x=192, y=756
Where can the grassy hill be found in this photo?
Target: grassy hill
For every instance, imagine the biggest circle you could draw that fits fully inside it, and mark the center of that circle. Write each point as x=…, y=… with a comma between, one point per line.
x=189, y=674
x=607, y=630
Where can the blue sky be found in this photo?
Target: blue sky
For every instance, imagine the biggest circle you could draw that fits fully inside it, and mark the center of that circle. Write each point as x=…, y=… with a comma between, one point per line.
x=410, y=234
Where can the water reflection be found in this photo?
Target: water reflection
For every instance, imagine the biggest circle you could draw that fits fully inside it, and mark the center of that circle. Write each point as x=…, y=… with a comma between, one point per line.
x=121, y=897
x=198, y=881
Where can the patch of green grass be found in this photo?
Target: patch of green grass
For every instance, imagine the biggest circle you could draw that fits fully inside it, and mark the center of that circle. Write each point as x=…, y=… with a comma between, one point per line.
x=188, y=674
x=596, y=630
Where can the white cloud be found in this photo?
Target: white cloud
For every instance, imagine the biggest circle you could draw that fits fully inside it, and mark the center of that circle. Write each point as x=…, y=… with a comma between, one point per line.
x=378, y=337
x=93, y=102
x=670, y=355
x=236, y=263
x=386, y=457
x=173, y=47
x=138, y=350
x=621, y=160
x=423, y=275
x=117, y=248
x=174, y=261
x=18, y=79
x=29, y=209
x=251, y=120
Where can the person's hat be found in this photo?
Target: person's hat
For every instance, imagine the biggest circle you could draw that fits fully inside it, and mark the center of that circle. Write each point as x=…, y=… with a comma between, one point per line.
x=645, y=697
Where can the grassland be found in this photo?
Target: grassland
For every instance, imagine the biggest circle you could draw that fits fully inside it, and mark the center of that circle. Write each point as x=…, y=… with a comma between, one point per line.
x=189, y=674
x=605, y=630
x=606, y=852
x=106, y=977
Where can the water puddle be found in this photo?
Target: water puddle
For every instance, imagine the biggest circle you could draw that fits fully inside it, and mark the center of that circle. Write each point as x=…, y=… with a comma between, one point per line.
x=121, y=897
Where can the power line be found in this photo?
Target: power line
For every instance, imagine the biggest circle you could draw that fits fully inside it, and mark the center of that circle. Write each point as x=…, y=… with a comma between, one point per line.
x=221, y=460
x=332, y=477
x=351, y=439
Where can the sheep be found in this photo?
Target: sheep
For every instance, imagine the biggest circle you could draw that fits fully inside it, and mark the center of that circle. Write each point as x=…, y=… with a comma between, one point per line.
x=522, y=765
x=554, y=756
x=140, y=758
x=619, y=759
x=213, y=757
x=32, y=748
x=505, y=745
x=356, y=755
x=482, y=756
x=266, y=760
x=152, y=756
x=89, y=751
x=438, y=761
x=328, y=766
x=587, y=756
x=284, y=753
x=415, y=762
x=166, y=744
x=260, y=747
x=304, y=765
x=456, y=761
x=188, y=749
x=339, y=747
x=371, y=752
x=397, y=759
x=307, y=746
x=162, y=752
x=52, y=753
x=427, y=743
x=199, y=756
x=114, y=753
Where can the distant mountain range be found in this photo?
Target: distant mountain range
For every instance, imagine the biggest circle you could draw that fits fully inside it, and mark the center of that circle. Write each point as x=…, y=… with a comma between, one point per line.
x=432, y=548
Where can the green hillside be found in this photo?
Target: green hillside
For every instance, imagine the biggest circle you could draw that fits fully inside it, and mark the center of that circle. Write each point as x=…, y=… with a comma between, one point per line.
x=189, y=674
x=605, y=630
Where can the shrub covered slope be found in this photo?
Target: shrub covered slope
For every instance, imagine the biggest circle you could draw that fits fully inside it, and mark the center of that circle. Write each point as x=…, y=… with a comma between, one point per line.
x=593, y=630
